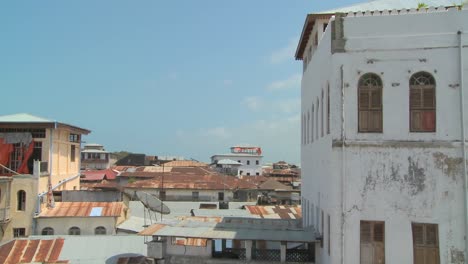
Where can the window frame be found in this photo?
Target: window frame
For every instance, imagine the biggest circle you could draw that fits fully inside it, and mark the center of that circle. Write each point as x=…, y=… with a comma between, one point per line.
x=19, y=232
x=72, y=153
x=21, y=200
x=363, y=88
x=422, y=89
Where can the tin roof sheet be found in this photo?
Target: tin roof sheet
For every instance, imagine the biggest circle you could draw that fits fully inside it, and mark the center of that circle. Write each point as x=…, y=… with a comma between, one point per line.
x=276, y=211
x=187, y=178
x=84, y=209
x=32, y=251
x=25, y=118
x=237, y=228
x=98, y=175
x=388, y=5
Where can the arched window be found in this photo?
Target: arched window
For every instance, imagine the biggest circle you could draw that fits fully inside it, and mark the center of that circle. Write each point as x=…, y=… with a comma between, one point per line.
x=422, y=103
x=74, y=231
x=48, y=231
x=100, y=230
x=21, y=200
x=370, y=103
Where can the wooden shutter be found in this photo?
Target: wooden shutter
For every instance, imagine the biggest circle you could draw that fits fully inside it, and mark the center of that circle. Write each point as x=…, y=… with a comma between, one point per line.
x=425, y=243
x=372, y=247
x=422, y=103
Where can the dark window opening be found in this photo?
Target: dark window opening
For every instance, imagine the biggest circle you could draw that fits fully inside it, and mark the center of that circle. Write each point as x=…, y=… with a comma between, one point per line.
x=21, y=201
x=48, y=231
x=74, y=231
x=19, y=232
x=100, y=230
x=72, y=153
x=221, y=196
x=75, y=138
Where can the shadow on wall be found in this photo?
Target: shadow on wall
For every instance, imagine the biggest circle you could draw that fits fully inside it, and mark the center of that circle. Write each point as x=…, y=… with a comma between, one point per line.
x=132, y=256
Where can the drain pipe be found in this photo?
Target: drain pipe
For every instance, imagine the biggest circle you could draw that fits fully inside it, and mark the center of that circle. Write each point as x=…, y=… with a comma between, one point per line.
x=343, y=170
x=462, y=109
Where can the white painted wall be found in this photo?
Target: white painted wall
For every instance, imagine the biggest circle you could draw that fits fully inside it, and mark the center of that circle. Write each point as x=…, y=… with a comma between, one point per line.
x=251, y=169
x=61, y=225
x=395, y=176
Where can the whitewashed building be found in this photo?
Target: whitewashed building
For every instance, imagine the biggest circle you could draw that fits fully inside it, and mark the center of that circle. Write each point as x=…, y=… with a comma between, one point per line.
x=249, y=157
x=383, y=123
x=94, y=157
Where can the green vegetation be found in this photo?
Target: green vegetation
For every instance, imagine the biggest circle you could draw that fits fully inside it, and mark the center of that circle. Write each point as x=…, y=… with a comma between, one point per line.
x=422, y=5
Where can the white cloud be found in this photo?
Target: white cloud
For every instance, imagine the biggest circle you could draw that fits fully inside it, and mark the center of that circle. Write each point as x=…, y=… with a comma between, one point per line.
x=216, y=132
x=285, y=53
x=294, y=81
x=253, y=103
x=289, y=106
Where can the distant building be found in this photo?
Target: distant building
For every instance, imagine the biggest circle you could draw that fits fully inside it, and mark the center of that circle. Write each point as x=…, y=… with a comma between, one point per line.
x=249, y=157
x=187, y=184
x=37, y=155
x=94, y=157
x=283, y=172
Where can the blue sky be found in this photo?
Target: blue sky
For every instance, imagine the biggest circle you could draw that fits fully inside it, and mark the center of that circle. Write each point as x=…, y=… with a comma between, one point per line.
x=185, y=78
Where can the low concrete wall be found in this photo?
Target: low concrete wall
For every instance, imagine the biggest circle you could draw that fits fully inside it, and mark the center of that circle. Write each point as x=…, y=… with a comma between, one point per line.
x=205, y=260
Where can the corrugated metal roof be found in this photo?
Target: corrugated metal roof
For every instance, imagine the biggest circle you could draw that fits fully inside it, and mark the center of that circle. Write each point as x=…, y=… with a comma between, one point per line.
x=276, y=211
x=83, y=209
x=190, y=241
x=187, y=178
x=25, y=118
x=184, y=163
x=151, y=229
x=98, y=175
x=239, y=228
x=32, y=251
x=388, y=5
x=228, y=162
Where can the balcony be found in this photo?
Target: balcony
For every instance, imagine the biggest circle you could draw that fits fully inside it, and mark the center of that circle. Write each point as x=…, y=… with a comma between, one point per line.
x=5, y=215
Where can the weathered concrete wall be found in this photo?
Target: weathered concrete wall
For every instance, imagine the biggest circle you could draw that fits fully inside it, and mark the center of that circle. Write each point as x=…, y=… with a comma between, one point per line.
x=21, y=219
x=205, y=260
x=91, y=196
x=395, y=176
x=87, y=225
x=178, y=250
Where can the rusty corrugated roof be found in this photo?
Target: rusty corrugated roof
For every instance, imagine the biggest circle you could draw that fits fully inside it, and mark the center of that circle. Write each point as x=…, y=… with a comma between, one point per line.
x=190, y=241
x=32, y=251
x=84, y=209
x=188, y=178
x=276, y=211
x=149, y=231
x=184, y=163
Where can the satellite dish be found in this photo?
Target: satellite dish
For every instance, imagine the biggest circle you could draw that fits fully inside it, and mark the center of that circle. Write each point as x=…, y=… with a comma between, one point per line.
x=152, y=203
